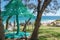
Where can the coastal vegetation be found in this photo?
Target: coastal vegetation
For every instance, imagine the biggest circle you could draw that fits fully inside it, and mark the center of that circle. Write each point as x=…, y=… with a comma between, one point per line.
x=37, y=30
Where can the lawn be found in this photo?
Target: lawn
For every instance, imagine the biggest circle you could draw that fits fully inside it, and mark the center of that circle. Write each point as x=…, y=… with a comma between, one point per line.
x=46, y=32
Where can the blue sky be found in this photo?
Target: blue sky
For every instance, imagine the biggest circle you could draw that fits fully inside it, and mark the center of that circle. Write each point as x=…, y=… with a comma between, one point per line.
x=3, y=3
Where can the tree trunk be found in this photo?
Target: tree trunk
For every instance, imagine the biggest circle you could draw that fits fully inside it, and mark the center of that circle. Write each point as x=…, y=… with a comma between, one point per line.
x=24, y=29
x=26, y=24
x=14, y=23
x=7, y=22
x=18, y=28
x=2, y=37
x=14, y=26
x=38, y=19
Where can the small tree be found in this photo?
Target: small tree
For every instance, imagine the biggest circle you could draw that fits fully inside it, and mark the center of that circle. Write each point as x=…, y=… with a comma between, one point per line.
x=24, y=29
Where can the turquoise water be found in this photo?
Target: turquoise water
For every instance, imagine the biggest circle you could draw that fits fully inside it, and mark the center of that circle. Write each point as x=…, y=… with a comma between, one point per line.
x=22, y=19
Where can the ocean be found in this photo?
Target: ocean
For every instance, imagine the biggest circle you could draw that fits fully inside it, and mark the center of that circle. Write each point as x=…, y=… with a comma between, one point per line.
x=22, y=19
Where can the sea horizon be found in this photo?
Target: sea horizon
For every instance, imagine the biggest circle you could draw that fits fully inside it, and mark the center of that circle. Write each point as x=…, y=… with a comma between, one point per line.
x=23, y=19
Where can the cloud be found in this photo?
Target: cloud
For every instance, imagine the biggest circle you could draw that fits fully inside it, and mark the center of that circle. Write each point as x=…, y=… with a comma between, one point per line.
x=52, y=14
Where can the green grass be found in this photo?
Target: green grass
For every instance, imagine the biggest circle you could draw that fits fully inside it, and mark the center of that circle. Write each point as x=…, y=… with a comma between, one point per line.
x=46, y=32
x=49, y=33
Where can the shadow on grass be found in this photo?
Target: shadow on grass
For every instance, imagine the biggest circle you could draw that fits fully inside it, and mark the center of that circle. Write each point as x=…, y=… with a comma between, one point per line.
x=55, y=34
x=48, y=34
x=29, y=30
x=42, y=38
